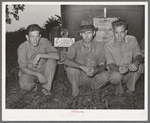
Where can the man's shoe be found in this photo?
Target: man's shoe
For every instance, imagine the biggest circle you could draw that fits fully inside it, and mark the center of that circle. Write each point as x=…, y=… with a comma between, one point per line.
x=119, y=90
x=75, y=91
x=129, y=93
x=46, y=92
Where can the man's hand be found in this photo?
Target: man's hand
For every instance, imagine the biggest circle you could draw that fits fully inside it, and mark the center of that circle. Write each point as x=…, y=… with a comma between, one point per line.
x=133, y=67
x=41, y=78
x=123, y=70
x=36, y=59
x=91, y=72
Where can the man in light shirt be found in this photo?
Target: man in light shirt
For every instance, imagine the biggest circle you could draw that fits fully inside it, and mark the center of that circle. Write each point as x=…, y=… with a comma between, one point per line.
x=124, y=58
x=86, y=61
x=37, y=61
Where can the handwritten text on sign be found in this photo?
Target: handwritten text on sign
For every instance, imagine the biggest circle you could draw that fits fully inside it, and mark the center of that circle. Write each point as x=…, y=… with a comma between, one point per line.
x=63, y=42
x=105, y=30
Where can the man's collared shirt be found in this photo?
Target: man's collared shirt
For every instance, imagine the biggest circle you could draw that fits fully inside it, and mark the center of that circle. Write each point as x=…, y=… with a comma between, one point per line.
x=122, y=55
x=93, y=57
x=26, y=53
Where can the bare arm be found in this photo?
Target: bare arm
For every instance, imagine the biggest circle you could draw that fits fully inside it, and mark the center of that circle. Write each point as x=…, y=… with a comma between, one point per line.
x=50, y=55
x=71, y=63
x=136, y=52
x=114, y=67
x=138, y=60
x=99, y=69
x=54, y=56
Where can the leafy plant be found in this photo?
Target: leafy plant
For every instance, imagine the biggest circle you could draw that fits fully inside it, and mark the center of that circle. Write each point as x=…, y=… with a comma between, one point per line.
x=13, y=12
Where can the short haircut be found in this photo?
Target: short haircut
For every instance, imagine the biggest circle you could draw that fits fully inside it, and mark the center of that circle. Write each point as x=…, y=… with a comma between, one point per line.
x=33, y=27
x=118, y=23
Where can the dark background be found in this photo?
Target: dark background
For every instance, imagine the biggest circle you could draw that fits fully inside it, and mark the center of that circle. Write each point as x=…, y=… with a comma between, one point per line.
x=72, y=15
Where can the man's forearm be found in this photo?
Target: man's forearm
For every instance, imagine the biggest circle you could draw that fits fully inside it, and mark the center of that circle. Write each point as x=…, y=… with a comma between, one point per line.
x=114, y=67
x=71, y=63
x=28, y=71
x=50, y=55
x=138, y=60
x=99, y=69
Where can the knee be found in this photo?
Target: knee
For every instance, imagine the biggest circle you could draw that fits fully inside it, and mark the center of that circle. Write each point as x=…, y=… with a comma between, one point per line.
x=116, y=78
x=25, y=82
x=51, y=62
x=106, y=76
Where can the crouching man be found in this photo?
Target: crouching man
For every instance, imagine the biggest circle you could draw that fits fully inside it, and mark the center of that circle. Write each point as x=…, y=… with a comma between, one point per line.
x=37, y=61
x=86, y=61
x=124, y=58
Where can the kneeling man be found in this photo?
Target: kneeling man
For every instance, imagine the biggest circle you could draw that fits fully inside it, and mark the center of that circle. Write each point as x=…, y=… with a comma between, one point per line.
x=37, y=61
x=124, y=58
x=86, y=61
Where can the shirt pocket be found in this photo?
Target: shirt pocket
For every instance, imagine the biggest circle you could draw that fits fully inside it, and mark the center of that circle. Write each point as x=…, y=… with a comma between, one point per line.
x=128, y=57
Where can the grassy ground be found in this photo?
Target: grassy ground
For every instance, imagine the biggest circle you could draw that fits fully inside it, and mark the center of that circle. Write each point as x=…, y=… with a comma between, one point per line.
x=61, y=98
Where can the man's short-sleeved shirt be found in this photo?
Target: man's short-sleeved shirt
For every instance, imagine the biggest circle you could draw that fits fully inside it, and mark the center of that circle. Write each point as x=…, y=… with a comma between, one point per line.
x=122, y=55
x=26, y=54
x=93, y=58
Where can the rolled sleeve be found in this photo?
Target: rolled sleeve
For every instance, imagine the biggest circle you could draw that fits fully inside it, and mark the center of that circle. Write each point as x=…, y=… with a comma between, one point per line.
x=135, y=48
x=109, y=56
x=22, y=60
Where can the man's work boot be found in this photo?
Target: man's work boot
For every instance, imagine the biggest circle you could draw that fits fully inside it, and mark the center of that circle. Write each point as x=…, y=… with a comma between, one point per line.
x=119, y=89
x=75, y=89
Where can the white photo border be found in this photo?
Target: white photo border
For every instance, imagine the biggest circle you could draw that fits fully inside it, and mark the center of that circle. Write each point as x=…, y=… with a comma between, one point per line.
x=71, y=115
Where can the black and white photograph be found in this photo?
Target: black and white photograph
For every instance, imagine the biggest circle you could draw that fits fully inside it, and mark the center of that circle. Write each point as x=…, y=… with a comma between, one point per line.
x=73, y=61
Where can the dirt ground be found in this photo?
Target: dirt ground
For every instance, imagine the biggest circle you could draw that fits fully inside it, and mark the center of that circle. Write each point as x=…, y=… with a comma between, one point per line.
x=61, y=98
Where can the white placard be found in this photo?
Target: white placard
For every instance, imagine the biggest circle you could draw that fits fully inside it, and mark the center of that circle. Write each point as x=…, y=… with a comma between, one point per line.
x=63, y=42
x=105, y=30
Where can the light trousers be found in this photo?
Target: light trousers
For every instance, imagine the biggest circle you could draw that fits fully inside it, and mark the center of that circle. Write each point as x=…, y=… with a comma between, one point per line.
x=130, y=78
x=78, y=78
x=27, y=82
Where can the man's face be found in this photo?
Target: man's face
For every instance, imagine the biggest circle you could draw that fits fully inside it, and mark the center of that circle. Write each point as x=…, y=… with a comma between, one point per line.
x=87, y=36
x=34, y=38
x=120, y=33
